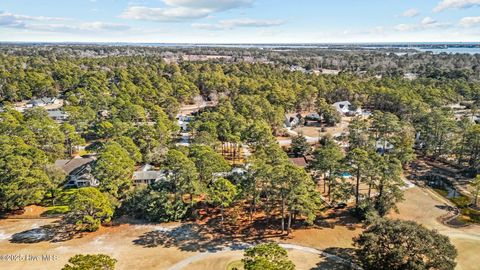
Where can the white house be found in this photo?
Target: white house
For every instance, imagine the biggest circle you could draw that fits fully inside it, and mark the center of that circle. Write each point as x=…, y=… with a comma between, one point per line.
x=146, y=176
x=297, y=68
x=383, y=146
x=237, y=171
x=410, y=76
x=346, y=108
x=58, y=115
x=291, y=122
x=183, y=121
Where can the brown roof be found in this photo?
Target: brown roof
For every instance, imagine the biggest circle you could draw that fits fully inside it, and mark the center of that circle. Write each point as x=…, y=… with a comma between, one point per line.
x=70, y=165
x=300, y=161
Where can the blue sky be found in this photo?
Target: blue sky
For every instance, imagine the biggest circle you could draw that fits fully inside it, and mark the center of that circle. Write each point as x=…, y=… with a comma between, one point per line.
x=240, y=21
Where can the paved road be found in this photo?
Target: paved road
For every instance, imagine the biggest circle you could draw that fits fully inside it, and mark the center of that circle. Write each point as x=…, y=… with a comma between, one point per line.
x=182, y=264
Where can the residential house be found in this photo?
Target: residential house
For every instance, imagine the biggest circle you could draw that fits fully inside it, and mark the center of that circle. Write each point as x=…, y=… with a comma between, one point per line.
x=302, y=161
x=297, y=68
x=346, y=108
x=79, y=172
x=299, y=161
x=146, y=176
x=383, y=146
x=183, y=121
x=42, y=102
x=58, y=115
x=410, y=76
x=292, y=122
x=313, y=117
x=237, y=171
x=330, y=71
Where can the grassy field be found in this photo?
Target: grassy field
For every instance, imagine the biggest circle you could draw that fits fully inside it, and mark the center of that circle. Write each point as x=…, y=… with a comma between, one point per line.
x=235, y=265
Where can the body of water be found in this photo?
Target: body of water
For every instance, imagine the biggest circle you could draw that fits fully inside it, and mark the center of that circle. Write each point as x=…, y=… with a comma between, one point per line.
x=452, y=50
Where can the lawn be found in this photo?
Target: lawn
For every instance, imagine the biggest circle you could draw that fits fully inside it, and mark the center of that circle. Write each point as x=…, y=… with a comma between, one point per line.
x=57, y=205
x=235, y=265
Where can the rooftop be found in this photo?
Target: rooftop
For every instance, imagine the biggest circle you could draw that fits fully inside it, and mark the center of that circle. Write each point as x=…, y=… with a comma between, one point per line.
x=69, y=165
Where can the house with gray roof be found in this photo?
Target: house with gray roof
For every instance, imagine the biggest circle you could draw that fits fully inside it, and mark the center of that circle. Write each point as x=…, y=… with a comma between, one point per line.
x=58, y=115
x=79, y=172
x=146, y=176
x=346, y=108
x=42, y=102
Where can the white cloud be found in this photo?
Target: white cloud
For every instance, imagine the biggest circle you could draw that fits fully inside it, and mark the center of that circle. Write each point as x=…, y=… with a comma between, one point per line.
x=413, y=12
x=428, y=21
x=235, y=23
x=215, y=5
x=405, y=27
x=53, y=24
x=163, y=14
x=447, y=4
x=79, y=27
x=103, y=26
x=19, y=21
x=470, y=21
x=180, y=10
x=425, y=24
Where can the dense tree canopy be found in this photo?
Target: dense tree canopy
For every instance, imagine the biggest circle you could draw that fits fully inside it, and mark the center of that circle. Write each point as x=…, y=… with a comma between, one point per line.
x=114, y=169
x=395, y=244
x=23, y=179
x=90, y=262
x=269, y=256
x=89, y=208
x=124, y=107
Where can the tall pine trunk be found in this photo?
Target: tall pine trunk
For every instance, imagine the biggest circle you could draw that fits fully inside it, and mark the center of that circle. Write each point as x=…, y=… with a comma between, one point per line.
x=357, y=191
x=283, y=214
x=221, y=213
x=252, y=208
x=289, y=225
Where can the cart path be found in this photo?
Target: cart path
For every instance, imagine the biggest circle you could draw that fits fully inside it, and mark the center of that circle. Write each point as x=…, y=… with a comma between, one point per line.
x=182, y=264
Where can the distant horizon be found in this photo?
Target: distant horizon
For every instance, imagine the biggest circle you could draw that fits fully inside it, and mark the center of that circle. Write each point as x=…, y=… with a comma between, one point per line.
x=255, y=43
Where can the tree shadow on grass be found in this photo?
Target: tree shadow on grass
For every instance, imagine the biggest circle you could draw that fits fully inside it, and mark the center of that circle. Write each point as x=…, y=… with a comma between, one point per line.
x=187, y=237
x=348, y=254
x=445, y=207
x=58, y=231
x=331, y=264
x=339, y=218
x=209, y=236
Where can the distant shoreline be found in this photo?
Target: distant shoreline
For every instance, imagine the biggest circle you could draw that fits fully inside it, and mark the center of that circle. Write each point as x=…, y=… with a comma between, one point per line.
x=434, y=47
